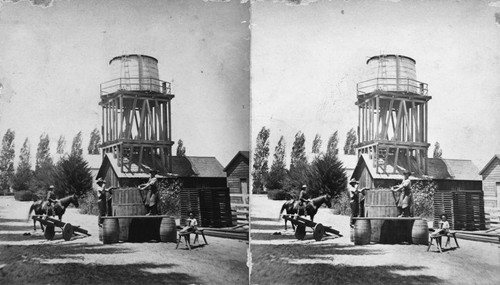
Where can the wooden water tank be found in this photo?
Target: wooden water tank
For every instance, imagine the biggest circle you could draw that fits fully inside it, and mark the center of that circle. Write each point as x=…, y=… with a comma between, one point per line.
x=392, y=73
x=136, y=72
x=380, y=203
x=127, y=202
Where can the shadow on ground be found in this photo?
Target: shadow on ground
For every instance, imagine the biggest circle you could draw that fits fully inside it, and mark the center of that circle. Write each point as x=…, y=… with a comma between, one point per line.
x=65, y=263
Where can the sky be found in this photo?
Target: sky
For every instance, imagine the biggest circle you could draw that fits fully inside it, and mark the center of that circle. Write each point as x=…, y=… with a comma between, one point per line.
x=54, y=56
x=307, y=59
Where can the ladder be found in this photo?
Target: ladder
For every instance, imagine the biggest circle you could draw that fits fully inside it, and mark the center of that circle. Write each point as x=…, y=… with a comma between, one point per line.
x=125, y=71
x=382, y=72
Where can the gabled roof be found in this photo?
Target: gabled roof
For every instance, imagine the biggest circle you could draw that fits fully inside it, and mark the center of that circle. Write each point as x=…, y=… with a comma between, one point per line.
x=244, y=154
x=458, y=169
x=496, y=156
x=206, y=166
x=438, y=168
x=182, y=166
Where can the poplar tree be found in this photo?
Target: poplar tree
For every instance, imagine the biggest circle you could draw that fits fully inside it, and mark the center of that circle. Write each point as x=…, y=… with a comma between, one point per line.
x=260, y=166
x=7, y=159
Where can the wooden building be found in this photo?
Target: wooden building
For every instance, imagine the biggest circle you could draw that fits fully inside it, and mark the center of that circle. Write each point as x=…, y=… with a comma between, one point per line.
x=238, y=176
x=491, y=183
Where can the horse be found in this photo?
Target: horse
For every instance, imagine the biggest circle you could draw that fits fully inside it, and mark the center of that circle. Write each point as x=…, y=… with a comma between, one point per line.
x=58, y=208
x=292, y=207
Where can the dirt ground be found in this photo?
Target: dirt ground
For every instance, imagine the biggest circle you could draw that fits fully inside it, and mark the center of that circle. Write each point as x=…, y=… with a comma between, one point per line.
x=278, y=258
x=31, y=259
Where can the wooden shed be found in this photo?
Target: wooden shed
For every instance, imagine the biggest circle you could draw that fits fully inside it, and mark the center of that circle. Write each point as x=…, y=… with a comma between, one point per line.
x=238, y=175
x=459, y=187
x=491, y=183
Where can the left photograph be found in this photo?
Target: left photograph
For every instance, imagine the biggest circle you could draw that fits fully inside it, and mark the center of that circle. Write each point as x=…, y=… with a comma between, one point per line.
x=125, y=142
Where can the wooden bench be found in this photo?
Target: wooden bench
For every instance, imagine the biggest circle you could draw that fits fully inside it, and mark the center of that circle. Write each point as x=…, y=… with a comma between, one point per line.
x=187, y=238
x=438, y=238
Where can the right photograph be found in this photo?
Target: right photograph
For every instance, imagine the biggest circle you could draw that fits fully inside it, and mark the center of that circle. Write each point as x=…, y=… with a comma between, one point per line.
x=375, y=155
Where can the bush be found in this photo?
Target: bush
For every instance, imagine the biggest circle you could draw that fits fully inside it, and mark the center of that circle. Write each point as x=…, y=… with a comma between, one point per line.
x=423, y=198
x=88, y=204
x=278, y=194
x=341, y=204
x=23, y=195
x=170, y=201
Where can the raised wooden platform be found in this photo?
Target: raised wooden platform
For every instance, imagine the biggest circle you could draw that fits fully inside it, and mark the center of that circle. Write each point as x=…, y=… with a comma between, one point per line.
x=390, y=230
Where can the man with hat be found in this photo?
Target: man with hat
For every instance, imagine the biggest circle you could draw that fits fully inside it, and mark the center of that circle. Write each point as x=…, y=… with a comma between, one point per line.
x=152, y=197
x=356, y=200
x=103, y=199
x=404, y=200
x=303, y=198
x=51, y=197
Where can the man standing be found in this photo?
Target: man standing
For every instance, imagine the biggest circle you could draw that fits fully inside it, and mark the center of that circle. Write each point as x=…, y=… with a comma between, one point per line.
x=404, y=200
x=152, y=198
x=355, y=199
x=103, y=199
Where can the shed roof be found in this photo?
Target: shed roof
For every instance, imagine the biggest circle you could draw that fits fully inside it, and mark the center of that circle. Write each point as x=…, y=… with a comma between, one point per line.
x=182, y=166
x=244, y=154
x=438, y=168
x=496, y=156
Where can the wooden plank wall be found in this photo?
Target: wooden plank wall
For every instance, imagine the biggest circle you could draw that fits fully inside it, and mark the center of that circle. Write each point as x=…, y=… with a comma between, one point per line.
x=190, y=202
x=211, y=206
x=491, y=176
x=465, y=209
x=234, y=175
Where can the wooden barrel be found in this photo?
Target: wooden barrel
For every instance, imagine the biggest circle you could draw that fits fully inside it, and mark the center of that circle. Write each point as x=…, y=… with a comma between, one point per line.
x=379, y=203
x=110, y=231
x=168, y=230
x=127, y=202
x=362, y=232
x=420, y=232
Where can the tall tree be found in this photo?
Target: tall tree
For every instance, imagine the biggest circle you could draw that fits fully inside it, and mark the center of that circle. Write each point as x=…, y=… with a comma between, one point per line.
x=278, y=173
x=298, y=150
x=297, y=175
x=44, y=166
x=72, y=176
x=181, y=150
x=7, y=159
x=317, y=144
x=333, y=142
x=61, y=145
x=350, y=142
x=43, y=152
x=24, y=174
x=95, y=140
x=326, y=176
x=260, y=167
x=438, y=152
x=76, y=147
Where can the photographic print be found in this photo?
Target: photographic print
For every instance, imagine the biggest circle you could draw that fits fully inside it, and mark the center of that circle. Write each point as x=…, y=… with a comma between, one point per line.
x=375, y=142
x=125, y=142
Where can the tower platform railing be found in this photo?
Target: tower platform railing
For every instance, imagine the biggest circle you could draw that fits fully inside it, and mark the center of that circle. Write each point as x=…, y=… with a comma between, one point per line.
x=407, y=85
x=144, y=84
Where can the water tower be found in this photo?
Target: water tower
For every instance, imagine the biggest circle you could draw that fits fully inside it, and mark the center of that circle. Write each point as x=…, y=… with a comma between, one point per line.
x=393, y=116
x=136, y=115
